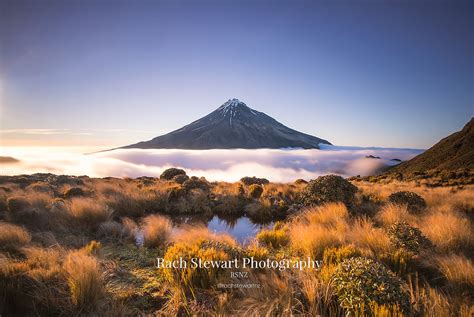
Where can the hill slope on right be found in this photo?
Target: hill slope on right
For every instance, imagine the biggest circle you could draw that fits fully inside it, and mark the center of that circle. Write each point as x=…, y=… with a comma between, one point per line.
x=451, y=153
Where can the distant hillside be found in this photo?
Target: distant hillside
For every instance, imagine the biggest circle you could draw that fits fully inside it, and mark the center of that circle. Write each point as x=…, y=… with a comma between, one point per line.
x=8, y=160
x=452, y=153
x=233, y=125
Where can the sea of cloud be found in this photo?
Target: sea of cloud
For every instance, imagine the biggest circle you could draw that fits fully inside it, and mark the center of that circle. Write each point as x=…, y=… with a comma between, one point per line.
x=278, y=165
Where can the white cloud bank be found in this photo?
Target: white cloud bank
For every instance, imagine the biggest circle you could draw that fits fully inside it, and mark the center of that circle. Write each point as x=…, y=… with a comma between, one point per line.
x=223, y=165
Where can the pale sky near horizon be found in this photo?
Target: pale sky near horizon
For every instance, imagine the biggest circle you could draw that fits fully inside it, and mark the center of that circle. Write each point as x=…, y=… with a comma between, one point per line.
x=109, y=73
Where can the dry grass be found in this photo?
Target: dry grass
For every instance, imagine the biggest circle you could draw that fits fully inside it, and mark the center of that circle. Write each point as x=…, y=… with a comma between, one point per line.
x=13, y=237
x=192, y=234
x=34, y=286
x=319, y=228
x=448, y=231
x=88, y=213
x=368, y=238
x=275, y=299
x=456, y=269
x=392, y=213
x=57, y=281
x=84, y=279
x=319, y=295
x=156, y=231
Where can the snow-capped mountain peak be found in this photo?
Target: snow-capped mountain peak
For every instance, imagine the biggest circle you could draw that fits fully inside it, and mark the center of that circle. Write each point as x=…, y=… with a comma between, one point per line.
x=233, y=125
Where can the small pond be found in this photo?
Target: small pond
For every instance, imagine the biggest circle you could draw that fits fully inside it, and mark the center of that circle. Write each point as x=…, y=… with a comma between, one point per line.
x=241, y=228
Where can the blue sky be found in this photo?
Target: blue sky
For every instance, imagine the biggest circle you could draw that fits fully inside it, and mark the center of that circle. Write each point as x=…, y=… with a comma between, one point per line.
x=362, y=73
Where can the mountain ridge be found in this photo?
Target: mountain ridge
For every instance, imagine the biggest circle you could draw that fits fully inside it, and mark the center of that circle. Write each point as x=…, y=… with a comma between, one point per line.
x=453, y=152
x=232, y=125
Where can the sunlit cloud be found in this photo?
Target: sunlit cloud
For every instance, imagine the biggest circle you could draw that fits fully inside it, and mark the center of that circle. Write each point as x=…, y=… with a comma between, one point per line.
x=221, y=165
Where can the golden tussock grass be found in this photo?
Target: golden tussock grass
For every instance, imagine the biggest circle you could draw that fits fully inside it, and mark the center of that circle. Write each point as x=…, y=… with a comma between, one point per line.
x=35, y=285
x=84, y=279
x=13, y=237
x=319, y=228
x=369, y=238
x=392, y=213
x=456, y=269
x=57, y=281
x=88, y=213
x=276, y=299
x=448, y=231
x=156, y=231
x=193, y=234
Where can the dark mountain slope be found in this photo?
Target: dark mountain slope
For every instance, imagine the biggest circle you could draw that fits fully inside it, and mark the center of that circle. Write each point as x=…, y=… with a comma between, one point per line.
x=232, y=125
x=451, y=153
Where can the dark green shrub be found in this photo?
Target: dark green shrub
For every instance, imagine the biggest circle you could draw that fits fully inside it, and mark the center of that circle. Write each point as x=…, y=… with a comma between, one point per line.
x=73, y=192
x=404, y=236
x=169, y=173
x=193, y=183
x=329, y=188
x=180, y=179
x=413, y=201
x=254, y=180
x=361, y=284
x=175, y=193
x=300, y=181
x=255, y=191
x=17, y=204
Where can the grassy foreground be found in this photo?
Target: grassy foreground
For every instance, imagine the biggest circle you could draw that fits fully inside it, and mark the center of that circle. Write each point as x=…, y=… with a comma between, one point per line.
x=68, y=247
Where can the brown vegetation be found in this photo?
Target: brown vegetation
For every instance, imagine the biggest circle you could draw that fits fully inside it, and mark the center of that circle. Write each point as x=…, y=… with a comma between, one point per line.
x=420, y=244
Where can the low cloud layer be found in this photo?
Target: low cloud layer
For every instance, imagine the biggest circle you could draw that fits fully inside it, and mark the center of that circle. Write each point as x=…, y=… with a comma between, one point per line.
x=223, y=165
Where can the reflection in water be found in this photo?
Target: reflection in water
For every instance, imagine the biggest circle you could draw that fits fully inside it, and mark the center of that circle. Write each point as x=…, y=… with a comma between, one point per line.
x=241, y=228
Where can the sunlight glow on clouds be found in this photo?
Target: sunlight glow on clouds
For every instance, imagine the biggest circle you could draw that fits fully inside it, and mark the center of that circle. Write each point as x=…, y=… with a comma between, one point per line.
x=223, y=165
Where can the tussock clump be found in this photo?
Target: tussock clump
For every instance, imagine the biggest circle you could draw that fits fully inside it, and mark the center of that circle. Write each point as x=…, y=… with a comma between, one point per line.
x=257, y=252
x=254, y=180
x=156, y=231
x=35, y=286
x=111, y=230
x=228, y=199
x=89, y=213
x=260, y=211
x=334, y=256
x=169, y=173
x=129, y=228
x=404, y=236
x=414, y=202
x=368, y=238
x=301, y=181
x=275, y=238
x=13, y=237
x=457, y=269
x=448, y=231
x=363, y=284
x=73, y=192
x=255, y=191
x=191, y=234
x=319, y=228
x=392, y=213
x=175, y=193
x=41, y=187
x=84, y=279
x=180, y=179
x=329, y=188
x=17, y=204
x=196, y=183
x=190, y=278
